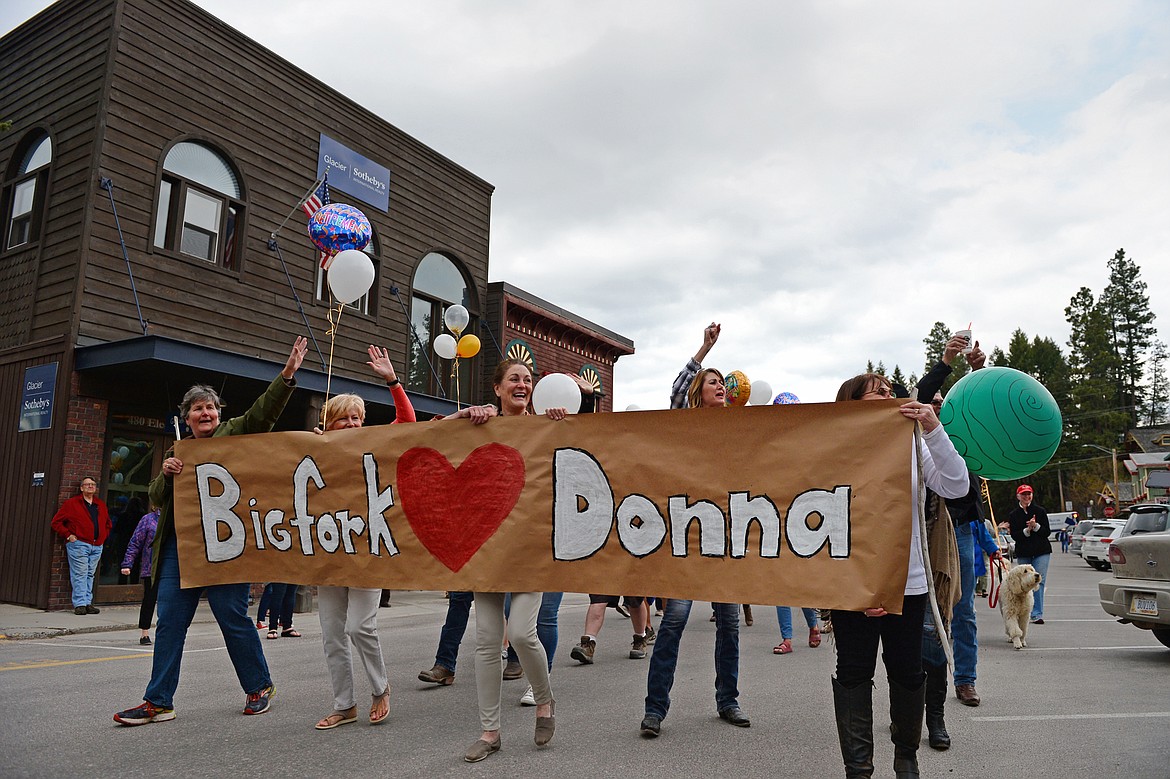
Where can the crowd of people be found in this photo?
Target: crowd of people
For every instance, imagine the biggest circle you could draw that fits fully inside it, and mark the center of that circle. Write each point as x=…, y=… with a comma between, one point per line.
x=517, y=633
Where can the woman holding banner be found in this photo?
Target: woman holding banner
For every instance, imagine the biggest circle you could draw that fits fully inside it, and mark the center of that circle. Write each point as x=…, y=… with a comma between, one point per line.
x=695, y=387
x=512, y=383
x=229, y=602
x=349, y=615
x=900, y=635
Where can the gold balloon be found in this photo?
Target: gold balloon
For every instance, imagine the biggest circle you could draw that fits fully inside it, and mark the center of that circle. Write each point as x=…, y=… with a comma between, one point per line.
x=468, y=346
x=737, y=389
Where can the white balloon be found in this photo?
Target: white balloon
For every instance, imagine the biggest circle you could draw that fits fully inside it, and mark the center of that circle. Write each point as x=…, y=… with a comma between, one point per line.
x=761, y=393
x=456, y=318
x=633, y=407
x=350, y=275
x=445, y=346
x=556, y=390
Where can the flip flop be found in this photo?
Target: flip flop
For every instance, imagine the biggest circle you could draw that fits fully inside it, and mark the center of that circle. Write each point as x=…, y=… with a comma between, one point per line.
x=374, y=718
x=273, y=635
x=290, y=633
x=336, y=720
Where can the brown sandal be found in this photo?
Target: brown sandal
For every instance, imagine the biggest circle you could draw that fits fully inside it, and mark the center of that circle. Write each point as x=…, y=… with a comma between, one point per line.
x=337, y=719
x=814, y=637
x=375, y=717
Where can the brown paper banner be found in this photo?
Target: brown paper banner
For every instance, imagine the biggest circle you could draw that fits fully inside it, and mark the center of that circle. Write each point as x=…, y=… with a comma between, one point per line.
x=800, y=505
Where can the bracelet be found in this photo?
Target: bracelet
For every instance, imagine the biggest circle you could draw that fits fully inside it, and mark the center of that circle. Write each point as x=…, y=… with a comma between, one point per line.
x=394, y=383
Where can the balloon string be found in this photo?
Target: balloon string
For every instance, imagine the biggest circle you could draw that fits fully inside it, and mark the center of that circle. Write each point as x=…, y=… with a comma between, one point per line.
x=455, y=375
x=333, y=325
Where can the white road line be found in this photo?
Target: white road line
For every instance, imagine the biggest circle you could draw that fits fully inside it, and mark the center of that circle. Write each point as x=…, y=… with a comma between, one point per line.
x=1089, y=648
x=1034, y=717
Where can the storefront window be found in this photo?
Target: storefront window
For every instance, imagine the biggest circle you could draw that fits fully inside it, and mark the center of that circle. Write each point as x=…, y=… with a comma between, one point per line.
x=131, y=466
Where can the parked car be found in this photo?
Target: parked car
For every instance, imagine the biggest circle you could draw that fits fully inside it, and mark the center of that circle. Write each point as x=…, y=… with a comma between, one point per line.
x=1095, y=550
x=1078, y=535
x=1146, y=518
x=1138, y=592
x=1007, y=545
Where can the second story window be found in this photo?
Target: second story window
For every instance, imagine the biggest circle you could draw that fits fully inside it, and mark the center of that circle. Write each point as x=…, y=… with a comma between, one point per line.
x=25, y=193
x=200, y=206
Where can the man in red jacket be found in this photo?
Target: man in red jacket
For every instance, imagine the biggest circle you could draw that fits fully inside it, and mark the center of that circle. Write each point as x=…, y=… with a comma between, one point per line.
x=83, y=523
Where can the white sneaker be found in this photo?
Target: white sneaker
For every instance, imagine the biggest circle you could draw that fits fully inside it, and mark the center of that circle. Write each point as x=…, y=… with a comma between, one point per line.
x=528, y=699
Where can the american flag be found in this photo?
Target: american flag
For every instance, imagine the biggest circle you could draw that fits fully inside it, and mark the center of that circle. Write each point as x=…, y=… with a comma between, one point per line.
x=319, y=198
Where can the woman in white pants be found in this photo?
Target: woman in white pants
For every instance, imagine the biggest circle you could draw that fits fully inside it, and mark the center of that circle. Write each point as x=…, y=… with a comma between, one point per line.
x=349, y=615
x=513, y=386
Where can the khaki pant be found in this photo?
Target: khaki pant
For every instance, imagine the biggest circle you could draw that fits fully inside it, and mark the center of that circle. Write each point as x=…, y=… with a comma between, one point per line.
x=489, y=639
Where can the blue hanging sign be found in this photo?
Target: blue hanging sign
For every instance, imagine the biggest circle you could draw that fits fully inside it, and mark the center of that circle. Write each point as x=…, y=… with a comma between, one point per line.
x=354, y=174
x=36, y=399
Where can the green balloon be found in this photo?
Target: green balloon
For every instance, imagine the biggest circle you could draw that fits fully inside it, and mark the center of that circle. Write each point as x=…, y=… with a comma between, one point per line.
x=1003, y=422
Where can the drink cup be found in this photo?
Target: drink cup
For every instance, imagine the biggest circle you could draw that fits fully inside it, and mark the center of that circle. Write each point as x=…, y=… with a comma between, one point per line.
x=966, y=334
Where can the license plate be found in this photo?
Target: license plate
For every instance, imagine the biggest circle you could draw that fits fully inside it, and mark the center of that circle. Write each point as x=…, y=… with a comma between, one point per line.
x=1146, y=605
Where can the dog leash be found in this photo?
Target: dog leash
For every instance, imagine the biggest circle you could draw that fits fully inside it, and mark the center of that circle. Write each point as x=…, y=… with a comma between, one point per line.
x=993, y=597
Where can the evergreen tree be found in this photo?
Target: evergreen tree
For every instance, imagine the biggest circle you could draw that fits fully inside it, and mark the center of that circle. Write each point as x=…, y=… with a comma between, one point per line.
x=1158, y=394
x=1127, y=306
x=898, y=378
x=1096, y=416
x=869, y=366
x=997, y=357
x=880, y=370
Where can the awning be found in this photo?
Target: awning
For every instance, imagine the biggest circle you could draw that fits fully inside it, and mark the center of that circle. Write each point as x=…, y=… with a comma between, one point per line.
x=178, y=364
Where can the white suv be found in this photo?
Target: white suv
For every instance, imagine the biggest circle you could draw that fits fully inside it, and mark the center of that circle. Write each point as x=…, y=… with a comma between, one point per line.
x=1095, y=550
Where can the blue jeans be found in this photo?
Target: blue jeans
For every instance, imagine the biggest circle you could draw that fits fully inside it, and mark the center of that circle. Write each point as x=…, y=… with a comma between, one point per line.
x=664, y=660
x=963, y=627
x=83, y=564
x=458, y=608
x=1040, y=563
x=176, y=609
x=546, y=626
x=281, y=603
x=784, y=617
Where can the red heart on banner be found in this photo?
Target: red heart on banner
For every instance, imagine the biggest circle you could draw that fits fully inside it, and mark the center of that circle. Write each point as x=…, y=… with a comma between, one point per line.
x=454, y=511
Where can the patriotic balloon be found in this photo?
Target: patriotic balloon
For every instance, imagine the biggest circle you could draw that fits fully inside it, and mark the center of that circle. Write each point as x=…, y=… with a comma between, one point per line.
x=338, y=227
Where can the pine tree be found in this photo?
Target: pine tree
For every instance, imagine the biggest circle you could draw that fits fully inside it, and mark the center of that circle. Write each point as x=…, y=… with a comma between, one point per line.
x=897, y=377
x=1096, y=416
x=1158, y=394
x=1127, y=306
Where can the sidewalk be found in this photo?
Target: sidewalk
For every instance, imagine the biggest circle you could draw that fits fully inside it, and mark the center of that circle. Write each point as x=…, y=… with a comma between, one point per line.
x=20, y=622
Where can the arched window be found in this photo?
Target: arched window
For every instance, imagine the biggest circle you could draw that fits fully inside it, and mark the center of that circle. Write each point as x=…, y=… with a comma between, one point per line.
x=438, y=283
x=24, y=194
x=367, y=303
x=200, y=206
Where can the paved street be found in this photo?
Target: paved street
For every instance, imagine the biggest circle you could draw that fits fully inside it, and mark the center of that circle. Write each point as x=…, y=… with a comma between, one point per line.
x=1087, y=698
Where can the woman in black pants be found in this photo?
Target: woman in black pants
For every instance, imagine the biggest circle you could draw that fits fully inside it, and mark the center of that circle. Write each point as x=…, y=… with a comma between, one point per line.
x=900, y=635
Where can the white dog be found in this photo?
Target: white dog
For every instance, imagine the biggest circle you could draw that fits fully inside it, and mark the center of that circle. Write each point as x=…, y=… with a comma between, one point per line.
x=1015, y=602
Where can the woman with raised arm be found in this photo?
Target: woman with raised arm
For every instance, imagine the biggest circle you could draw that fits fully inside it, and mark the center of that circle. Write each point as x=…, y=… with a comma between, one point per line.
x=695, y=387
x=229, y=602
x=349, y=615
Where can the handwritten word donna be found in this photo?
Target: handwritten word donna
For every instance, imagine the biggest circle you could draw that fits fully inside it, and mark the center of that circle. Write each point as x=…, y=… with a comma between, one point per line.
x=584, y=515
x=225, y=533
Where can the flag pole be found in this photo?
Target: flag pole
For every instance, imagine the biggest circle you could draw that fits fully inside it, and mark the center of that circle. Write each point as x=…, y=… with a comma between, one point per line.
x=300, y=203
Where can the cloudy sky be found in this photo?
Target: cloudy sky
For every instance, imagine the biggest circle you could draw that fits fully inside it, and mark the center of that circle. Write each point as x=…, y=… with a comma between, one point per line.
x=826, y=179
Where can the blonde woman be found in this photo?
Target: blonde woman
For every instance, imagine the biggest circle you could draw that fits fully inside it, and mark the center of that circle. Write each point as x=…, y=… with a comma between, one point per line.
x=349, y=615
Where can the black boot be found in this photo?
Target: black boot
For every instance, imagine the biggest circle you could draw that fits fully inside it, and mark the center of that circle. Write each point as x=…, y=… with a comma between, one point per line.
x=854, y=709
x=906, y=707
x=936, y=698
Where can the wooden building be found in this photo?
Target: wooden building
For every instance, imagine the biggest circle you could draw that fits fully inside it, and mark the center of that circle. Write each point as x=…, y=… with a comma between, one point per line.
x=153, y=158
